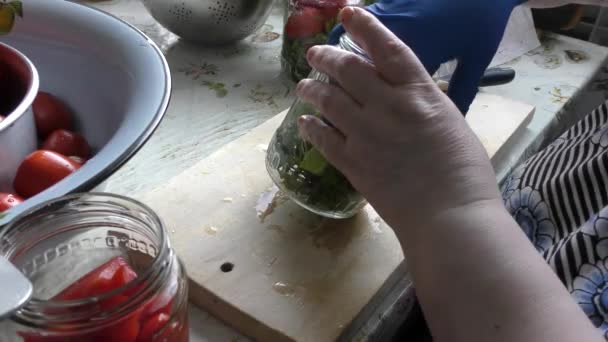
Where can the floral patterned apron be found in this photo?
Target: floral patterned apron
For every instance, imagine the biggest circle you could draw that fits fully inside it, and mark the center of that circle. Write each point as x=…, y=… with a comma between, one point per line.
x=559, y=197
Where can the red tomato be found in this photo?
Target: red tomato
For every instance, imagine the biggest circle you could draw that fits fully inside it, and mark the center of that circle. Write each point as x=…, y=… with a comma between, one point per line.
x=113, y=274
x=67, y=143
x=124, y=275
x=126, y=330
x=50, y=114
x=29, y=337
x=328, y=8
x=330, y=13
x=159, y=304
x=323, y=3
x=306, y=22
x=8, y=201
x=153, y=325
x=41, y=170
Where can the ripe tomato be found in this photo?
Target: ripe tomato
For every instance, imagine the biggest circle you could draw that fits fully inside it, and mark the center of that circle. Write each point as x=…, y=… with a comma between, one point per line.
x=322, y=3
x=329, y=8
x=50, y=114
x=67, y=143
x=40, y=170
x=113, y=274
x=330, y=13
x=8, y=201
x=127, y=330
x=152, y=326
x=306, y=22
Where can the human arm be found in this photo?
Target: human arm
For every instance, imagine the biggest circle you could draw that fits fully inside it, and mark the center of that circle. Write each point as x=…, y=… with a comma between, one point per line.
x=405, y=146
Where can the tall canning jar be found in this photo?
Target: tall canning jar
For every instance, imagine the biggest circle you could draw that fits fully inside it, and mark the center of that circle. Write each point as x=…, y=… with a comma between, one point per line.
x=102, y=269
x=308, y=23
x=300, y=170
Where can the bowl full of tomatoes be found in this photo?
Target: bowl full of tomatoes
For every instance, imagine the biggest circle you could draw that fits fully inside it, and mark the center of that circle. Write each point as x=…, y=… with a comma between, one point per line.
x=57, y=153
x=104, y=87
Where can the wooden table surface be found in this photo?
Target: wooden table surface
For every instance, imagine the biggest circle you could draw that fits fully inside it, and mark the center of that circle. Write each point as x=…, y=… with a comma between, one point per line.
x=221, y=94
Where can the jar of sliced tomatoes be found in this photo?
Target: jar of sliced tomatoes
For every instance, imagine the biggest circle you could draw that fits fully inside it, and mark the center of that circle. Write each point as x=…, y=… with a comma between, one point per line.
x=308, y=23
x=102, y=269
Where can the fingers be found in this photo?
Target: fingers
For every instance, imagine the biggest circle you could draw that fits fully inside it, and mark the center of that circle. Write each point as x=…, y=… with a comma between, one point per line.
x=355, y=75
x=326, y=139
x=335, y=105
x=392, y=58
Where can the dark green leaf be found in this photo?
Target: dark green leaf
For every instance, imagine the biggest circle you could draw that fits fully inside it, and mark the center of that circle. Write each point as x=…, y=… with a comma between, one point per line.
x=18, y=7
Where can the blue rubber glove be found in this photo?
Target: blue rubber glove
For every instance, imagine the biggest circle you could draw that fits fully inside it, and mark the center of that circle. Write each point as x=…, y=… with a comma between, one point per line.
x=441, y=30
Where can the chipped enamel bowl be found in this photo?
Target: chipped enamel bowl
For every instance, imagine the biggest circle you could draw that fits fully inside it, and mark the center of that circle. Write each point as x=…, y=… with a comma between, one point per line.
x=115, y=79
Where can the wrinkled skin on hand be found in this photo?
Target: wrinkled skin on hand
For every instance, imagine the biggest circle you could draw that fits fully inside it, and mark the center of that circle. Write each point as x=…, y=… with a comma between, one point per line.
x=399, y=140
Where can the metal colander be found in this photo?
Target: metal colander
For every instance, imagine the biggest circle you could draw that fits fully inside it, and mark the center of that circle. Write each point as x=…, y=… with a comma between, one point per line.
x=212, y=22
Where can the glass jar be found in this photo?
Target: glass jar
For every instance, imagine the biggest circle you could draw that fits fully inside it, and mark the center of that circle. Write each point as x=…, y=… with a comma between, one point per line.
x=60, y=246
x=301, y=172
x=307, y=23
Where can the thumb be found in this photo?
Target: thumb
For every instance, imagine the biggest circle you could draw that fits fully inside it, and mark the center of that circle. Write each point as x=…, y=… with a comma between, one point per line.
x=335, y=34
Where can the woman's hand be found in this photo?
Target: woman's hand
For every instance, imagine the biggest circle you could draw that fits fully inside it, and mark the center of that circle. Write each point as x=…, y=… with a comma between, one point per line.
x=399, y=140
x=405, y=146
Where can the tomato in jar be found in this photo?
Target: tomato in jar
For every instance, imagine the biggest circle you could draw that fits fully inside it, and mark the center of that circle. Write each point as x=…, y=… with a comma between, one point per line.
x=102, y=269
x=148, y=323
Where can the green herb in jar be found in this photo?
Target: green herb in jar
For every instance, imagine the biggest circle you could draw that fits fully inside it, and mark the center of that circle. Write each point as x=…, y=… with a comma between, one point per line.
x=302, y=172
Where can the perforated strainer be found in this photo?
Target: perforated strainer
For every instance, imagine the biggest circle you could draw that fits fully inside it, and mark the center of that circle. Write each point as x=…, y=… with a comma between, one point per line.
x=213, y=22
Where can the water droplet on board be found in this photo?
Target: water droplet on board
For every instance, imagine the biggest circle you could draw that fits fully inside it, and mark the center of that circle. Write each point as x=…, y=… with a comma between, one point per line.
x=211, y=230
x=284, y=289
x=227, y=199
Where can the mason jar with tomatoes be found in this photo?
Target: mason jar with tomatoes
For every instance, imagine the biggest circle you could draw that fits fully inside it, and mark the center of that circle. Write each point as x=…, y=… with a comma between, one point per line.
x=102, y=269
x=308, y=23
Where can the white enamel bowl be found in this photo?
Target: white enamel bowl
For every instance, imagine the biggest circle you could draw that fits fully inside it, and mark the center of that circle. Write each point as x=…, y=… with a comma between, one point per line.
x=114, y=78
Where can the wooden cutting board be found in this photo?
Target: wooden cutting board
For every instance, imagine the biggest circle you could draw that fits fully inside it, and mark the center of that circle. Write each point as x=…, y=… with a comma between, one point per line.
x=271, y=269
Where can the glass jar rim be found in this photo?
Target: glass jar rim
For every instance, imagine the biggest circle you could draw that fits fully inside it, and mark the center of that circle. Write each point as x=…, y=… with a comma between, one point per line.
x=347, y=43
x=33, y=311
